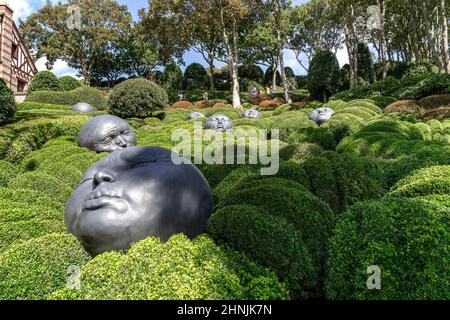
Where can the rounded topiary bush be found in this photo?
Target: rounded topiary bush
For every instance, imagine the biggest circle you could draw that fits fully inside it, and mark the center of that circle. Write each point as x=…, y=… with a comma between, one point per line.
x=7, y=104
x=406, y=238
x=270, y=241
x=138, y=98
x=68, y=83
x=44, y=81
x=341, y=180
x=427, y=181
x=179, y=269
x=34, y=269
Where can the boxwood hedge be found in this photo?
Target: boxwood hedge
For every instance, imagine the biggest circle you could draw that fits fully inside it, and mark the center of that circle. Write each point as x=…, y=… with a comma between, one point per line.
x=407, y=238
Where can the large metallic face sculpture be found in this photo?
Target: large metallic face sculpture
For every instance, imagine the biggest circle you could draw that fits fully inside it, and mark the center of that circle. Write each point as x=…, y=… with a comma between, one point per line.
x=83, y=107
x=106, y=134
x=321, y=115
x=134, y=193
x=219, y=122
x=251, y=114
x=196, y=115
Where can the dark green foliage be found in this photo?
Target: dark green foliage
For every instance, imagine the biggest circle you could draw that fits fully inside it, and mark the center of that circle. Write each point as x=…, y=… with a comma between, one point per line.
x=300, y=152
x=323, y=76
x=251, y=72
x=270, y=241
x=44, y=81
x=406, y=238
x=172, y=77
x=195, y=77
x=7, y=104
x=68, y=83
x=268, y=77
x=431, y=85
x=178, y=269
x=82, y=94
x=365, y=64
x=427, y=181
x=344, y=179
x=383, y=102
x=138, y=98
x=34, y=269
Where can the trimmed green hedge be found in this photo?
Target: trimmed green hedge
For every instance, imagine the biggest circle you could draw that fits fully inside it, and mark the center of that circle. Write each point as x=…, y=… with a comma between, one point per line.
x=8, y=171
x=408, y=239
x=82, y=94
x=25, y=106
x=34, y=269
x=47, y=184
x=427, y=181
x=269, y=240
x=342, y=180
x=178, y=269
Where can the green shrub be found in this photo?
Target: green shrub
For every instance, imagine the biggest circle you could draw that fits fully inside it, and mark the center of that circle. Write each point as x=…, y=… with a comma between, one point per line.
x=172, y=77
x=138, y=98
x=178, y=269
x=427, y=181
x=82, y=94
x=31, y=198
x=11, y=211
x=7, y=104
x=382, y=102
x=51, y=186
x=294, y=203
x=34, y=269
x=270, y=241
x=431, y=85
x=300, y=152
x=44, y=81
x=68, y=83
x=25, y=106
x=406, y=238
x=8, y=171
x=22, y=230
x=342, y=180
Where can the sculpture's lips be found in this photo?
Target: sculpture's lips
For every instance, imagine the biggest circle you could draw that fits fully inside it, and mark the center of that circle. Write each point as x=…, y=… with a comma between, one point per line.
x=102, y=198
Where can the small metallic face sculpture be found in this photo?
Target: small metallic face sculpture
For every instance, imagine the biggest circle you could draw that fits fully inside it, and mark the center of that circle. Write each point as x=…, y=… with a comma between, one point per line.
x=106, y=134
x=218, y=122
x=321, y=115
x=83, y=107
x=196, y=115
x=135, y=193
x=251, y=114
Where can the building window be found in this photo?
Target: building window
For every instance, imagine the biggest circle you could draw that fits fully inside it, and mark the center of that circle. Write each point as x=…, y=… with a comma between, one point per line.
x=15, y=51
x=21, y=85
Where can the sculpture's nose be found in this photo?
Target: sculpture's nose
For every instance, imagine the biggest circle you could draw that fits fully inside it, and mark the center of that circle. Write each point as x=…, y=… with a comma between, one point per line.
x=121, y=142
x=103, y=176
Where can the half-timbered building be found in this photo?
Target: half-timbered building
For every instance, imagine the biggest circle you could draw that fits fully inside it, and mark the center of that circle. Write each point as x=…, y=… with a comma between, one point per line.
x=17, y=67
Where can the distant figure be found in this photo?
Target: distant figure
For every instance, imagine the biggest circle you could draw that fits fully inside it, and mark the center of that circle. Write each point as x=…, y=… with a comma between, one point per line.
x=254, y=92
x=268, y=91
x=261, y=93
x=206, y=96
x=181, y=96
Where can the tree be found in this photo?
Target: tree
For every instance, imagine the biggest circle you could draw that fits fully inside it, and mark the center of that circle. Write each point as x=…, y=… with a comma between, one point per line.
x=313, y=28
x=195, y=77
x=323, y=76
x=50, y=32
x=365, y=63
x=172, y=77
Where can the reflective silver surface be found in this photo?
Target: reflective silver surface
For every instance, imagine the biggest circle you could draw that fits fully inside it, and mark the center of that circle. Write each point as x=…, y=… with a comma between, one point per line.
x=321, y=115
x=218, y=122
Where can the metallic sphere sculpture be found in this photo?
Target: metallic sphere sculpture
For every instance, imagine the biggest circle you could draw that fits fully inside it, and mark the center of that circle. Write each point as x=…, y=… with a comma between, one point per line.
x=106, y=134
x=196, y=115
x=321, y=115
x=219, y=122
x=135, y=193
x=83, y=107
x=251, y=114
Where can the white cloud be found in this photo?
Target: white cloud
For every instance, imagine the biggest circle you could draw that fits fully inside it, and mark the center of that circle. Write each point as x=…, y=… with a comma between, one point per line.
x=21, y=8
x=60, y=68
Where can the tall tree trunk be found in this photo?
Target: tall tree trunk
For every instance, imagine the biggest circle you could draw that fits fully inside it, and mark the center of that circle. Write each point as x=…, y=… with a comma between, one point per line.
x=232, y=56
x=382, y=5
x=234, y=69
x=274, y=76
x=432, y=44
x=352, y=47
x=211, y=72
x=280, y=49
x=444, y=22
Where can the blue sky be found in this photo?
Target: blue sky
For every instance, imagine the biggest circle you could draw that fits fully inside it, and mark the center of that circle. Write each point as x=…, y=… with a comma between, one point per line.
x=24, y=8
